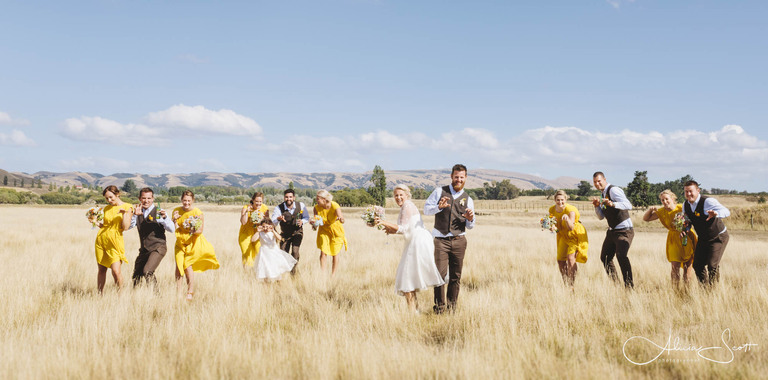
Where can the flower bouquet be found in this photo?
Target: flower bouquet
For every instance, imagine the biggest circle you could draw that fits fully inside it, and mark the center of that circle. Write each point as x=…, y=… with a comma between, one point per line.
x=256, y=217
x=371, y=213
x=549, y=223
x=682, y=225
x=95, y=216
x=192, y=224
x=316, y=221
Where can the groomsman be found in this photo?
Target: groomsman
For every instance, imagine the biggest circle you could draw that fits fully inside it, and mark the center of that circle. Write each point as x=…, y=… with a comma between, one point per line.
x=152, y=225
x=706, y=216
x=454, y=214
x=291, y=217
x=614, y=207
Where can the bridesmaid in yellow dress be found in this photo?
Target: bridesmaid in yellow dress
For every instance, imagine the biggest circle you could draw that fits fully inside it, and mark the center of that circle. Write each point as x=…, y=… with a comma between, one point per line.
x=677, y=253
x=330, y=235
x=110, y=247
x=247, y=230
x=572, y=241
x=193, y=251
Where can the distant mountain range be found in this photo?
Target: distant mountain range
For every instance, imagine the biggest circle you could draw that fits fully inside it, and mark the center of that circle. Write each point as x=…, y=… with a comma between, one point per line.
x=331, y=181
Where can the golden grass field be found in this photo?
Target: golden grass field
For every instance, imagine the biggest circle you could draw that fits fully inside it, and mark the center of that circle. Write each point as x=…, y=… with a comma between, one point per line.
x=516, y=319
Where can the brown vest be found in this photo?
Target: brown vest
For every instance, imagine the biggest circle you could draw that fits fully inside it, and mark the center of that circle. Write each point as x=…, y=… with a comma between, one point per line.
x=289, y=227
x=151, y=233
x=613, y=215
x=450, y=219
x=707, y=230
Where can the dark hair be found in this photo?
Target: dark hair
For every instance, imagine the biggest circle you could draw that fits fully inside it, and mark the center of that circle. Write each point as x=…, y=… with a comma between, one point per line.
x=257, y=195
x=267, y=220
x=146, y=190
x=598, y=174
x=112, y=189
x=691, y=183
x=289, y=191
x=458, y=168
x=188, y=192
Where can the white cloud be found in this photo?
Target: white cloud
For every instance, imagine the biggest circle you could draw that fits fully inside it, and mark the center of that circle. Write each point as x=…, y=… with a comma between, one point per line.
x=200, y=119
x=176, y=122
x=618, y=3
x=88, y=128
x=103, y=164
x=16, y=138
x=192, y=58
x=6, y=119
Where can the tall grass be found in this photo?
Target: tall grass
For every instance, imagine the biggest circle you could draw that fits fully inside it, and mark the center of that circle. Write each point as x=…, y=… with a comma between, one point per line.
x=516, y=319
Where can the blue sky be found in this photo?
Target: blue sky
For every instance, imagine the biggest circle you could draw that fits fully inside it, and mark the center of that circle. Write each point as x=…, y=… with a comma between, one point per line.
x=553, y=88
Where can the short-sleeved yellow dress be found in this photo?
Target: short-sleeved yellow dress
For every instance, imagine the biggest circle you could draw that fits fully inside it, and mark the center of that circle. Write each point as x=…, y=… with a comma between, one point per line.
x=247, y=247
x=570, y=242
x=110, y=247
x=192, y=249
x=330, y=236
x=676, y=252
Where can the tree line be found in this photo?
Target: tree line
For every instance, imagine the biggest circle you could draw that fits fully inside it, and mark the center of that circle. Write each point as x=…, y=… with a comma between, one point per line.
x=640, y=192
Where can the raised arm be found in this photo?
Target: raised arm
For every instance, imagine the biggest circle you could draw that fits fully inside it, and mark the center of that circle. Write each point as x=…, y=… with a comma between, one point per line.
x=650, y=214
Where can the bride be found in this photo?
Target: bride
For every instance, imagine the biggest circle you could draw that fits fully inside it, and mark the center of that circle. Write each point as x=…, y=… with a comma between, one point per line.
x=417, y=270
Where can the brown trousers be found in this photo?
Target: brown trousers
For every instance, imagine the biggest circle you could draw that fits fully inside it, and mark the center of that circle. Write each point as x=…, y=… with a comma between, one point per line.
x=617, y=244
x=449, y=259
x=706, y=258
x=146, y=264
x=291, y=245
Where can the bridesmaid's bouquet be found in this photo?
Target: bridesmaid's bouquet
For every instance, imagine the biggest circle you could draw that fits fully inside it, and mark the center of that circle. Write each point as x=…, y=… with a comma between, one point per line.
x=192, y=224
x=371, y=213
x=257, y=217
x=549, y=223
x=682, y=225
x=95, y=216
x=316, y=221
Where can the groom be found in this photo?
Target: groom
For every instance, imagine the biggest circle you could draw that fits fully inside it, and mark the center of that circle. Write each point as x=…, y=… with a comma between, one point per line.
x=454, y=213
x=151, y=224
x=291, y=217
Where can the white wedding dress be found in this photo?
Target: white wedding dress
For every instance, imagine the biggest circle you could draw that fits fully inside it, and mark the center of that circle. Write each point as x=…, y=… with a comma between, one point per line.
x=417, y=269
x=272, y=261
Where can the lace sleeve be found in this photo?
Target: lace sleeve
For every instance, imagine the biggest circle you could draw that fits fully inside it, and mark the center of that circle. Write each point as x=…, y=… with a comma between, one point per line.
x=407, y=212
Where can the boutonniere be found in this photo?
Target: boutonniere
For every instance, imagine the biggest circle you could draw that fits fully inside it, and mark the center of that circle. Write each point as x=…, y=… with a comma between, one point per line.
x=151, y=218
x=697, y=214
x=462, y=202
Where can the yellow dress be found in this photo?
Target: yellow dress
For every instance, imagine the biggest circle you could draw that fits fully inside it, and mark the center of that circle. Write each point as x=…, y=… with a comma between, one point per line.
x=192, y=249
x=330, y=236
x=248, y=248
x=110, y=247
x=570, y=242
x=676, y=252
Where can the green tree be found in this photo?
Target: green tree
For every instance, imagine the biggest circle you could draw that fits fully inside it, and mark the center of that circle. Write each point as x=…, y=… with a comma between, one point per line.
x=50, y=187
x=639, y=189
x=291, y=185
x=5, y=181
x=584, y=189
x=22, y=182
x=500, y=190
x=129, y=187
x=378, y=190
x=39, y=183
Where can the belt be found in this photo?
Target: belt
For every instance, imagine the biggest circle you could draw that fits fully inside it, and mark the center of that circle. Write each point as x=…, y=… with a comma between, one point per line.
x=449, y=237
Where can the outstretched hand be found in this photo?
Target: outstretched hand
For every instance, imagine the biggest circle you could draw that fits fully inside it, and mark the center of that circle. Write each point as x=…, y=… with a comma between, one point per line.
x=469, y=215
x=443, y=203
x=711, y=214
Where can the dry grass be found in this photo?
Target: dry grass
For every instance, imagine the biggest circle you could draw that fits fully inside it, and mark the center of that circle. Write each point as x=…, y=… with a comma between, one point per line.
x=516, y=318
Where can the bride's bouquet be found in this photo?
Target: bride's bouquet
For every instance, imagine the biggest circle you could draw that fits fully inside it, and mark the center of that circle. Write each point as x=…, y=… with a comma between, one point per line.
x=683, y=225
x=316, y=221
x=371, y=213
x=192, y=224
x=95, y=216
x=256, y=217
x=549, y=223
